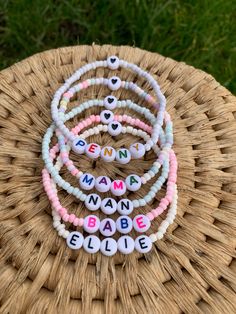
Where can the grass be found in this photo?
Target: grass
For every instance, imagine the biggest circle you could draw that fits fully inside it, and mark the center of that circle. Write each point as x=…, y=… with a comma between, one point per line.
x=199, y=32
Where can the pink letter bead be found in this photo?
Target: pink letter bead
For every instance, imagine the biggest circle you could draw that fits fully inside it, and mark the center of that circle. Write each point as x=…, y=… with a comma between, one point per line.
x=92, y=244
x=93, y=150
x=75, y=240
x=107, y=227
x=124, y=224
x=123, y=156
x=102, y=184
x=143, y=244
x=93, y=201
x=108, y=206
x=137, y=150
x=118, y=187
x=133, y=182
x=113, y=62
x=91, y=223
x=108, y=154
x=141, y=223
x=87, y=181
x=125, y=206
x=114, y=128
x=79, y=145
x=125, y=244
x=108, y=247
x=114, y=83
x=110, y=102
x=106, y=116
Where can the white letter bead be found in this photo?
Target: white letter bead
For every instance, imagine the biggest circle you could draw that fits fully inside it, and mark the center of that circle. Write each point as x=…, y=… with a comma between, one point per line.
x=106, y=116
x=124, y=224
x=102, y=184
x=118, y=187
x=108, y=206
x=114, y=128
x=141, y=223
x=143, y=244
x=114, y=83
x=75, y=240
x=93, y=150
x=133, y=182
x=91, y=223
x=91, y=244
x=108, y=247
x=87, y=181
x=125, y=206
x=93, y=201
x=113, y=62
x=108, y=153
x=107, y=227
x=79, y=145
x=110, y=102
x=123, y=155
x=125, y=244
x=137, y=150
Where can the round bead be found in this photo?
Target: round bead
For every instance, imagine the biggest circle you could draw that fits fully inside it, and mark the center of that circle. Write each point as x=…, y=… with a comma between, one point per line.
x=141, y=223
x=87, y=181
x=123, y=156
x=93, y=150
x=114, y=83
x=107, y=227
x=125, y=206
x=91, y=223
x=110, y=102
x=108, y=153
x=125, y=244
x=106, y=116
x=118, y=187
x=102, y=184
x=93, y=201
x=124, y=224
x=75, y=240
x=137, y=150
x=108, y=247
x=133, y=182
x=108, y=206
x=113, y=62
x=91, y=244
x=114, y=128
x=79, y=145
x=143, y=244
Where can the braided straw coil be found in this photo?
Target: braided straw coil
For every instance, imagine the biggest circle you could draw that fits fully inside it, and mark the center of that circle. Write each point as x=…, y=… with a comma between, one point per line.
x=192, y=269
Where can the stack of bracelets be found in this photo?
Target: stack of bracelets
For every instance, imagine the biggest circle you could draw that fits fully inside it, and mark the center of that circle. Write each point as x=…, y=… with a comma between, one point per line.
x=157, y=136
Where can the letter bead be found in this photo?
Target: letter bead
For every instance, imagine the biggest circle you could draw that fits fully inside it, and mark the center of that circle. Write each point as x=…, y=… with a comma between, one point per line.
x=87, y=181
x=110, y=102
x=114, y=83
x=106, y=116
x=91, y=224
x=91, y=244
x=108, y=206
x=108, y=154
x=108, y=247
x=113, y=62
x=79, y=145
x=141, y=223
x=114, y=128
x=118, y=187
x=125, y=206
x=123, y=156
x=102, y=184
x=143, y=244
x=125, y=244
x=93, y=150
x=107, y=227
x=133, y=182
x=93, y=201
x=137, y=150
x=124, y=224
x=75, y=240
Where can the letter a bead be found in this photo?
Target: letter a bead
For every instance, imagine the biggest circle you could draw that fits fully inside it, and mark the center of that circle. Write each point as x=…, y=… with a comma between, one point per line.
x=75, y=240
x=125, y=206
x=133, y=182
x=93, y=201
x=102, y=184
x=91, y=223
x=124, y=224
x=91, y=244
x=125, y=244
x=141, y=223
x=137, y=150
x=107, y=227
x=118, y=187
x=143, y=244
x=79, y=145
x=108, y=206
x=87, y=181
x=108, y=247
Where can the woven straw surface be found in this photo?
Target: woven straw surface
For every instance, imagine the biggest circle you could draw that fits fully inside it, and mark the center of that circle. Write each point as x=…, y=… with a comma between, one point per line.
x=192, y=270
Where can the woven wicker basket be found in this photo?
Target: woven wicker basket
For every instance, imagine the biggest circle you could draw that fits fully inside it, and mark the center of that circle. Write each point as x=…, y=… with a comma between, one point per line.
x=192, y=270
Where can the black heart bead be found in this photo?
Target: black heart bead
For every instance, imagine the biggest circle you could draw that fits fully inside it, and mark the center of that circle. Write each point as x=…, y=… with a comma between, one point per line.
x=107, y=115
x=114, y=81
x=110, y=100
x=114, y=126
x=113, y=60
